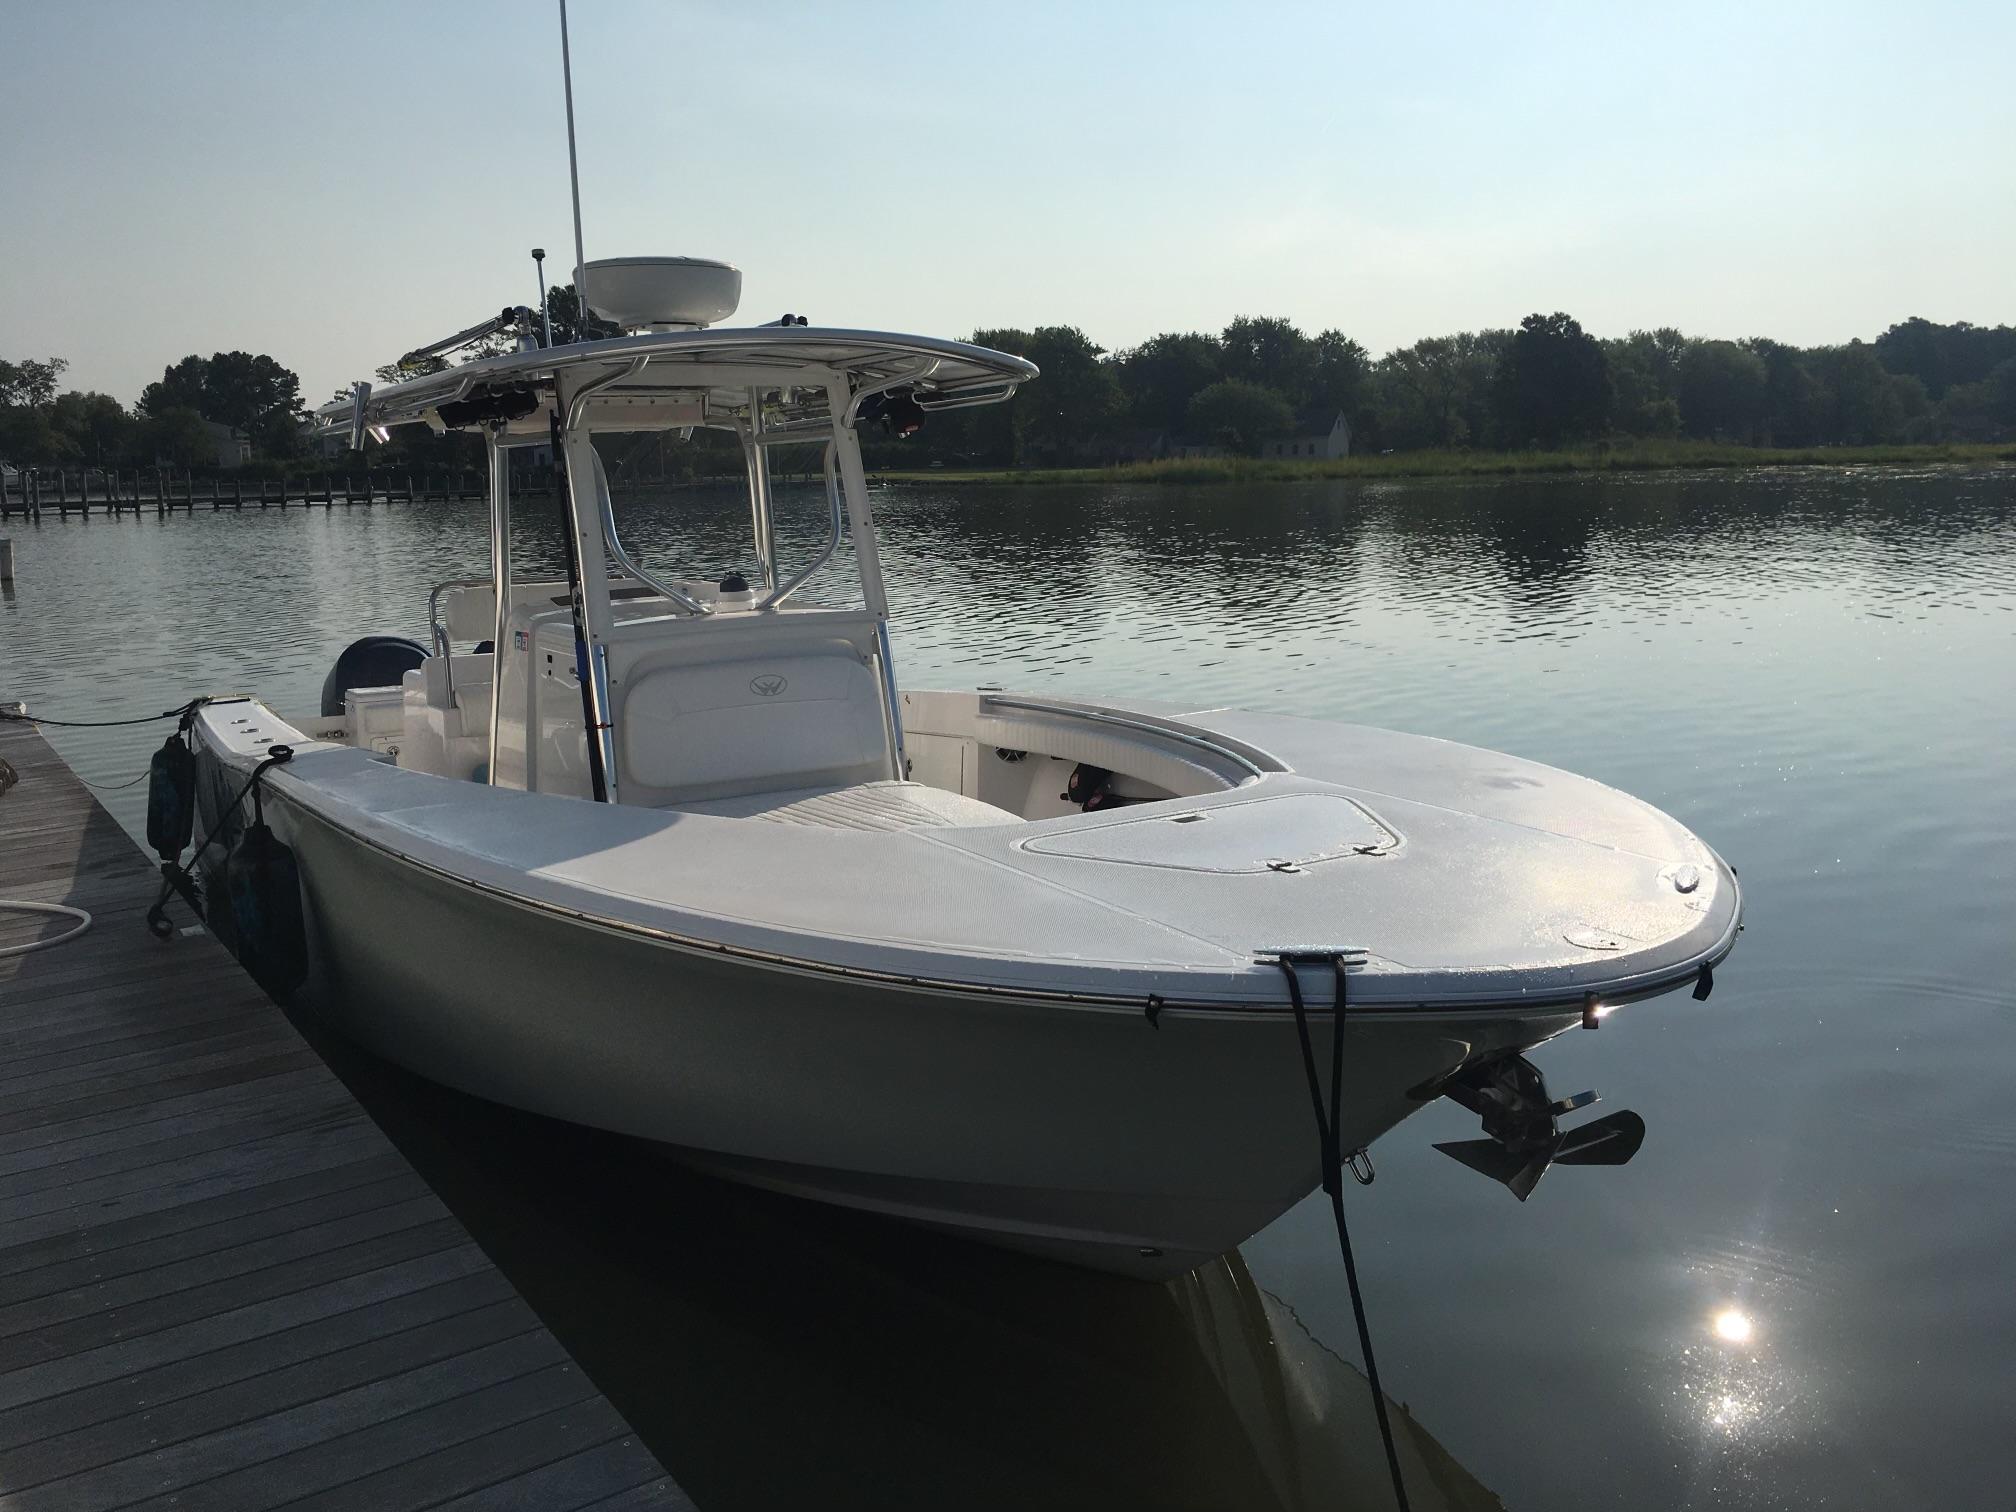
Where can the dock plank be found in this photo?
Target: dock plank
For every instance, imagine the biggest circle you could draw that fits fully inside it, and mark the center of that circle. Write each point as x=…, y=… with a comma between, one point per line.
x=158, y=1426
x=270, y=1195
x=570, y=1484
x=155, y=1387
x=220, y=1284
x=216, y=1246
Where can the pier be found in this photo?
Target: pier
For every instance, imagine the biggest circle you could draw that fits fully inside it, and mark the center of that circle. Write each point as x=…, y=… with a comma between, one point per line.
x=221, y=1285
x=34, y=493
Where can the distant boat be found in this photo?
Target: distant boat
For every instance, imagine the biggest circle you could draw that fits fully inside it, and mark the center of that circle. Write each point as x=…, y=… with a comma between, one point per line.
x=687, y=860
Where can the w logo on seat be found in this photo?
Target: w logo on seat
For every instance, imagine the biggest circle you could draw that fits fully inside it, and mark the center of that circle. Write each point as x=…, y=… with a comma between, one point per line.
x=768, y=685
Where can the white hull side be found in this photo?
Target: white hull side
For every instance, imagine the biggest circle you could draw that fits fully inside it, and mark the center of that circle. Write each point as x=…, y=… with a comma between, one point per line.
x=1080, y=1131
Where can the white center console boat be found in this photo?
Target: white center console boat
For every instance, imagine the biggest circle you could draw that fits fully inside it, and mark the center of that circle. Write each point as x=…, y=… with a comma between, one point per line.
x=689, y=861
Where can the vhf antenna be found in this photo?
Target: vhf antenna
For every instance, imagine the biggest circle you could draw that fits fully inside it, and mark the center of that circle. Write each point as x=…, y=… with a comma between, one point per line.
x=574, y=177
x=539, y=261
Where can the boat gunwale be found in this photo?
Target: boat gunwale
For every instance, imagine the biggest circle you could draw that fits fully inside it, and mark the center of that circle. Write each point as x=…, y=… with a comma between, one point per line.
x=291, y=790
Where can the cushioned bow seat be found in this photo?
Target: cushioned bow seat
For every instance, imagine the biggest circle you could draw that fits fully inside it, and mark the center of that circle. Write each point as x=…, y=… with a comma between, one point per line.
x=860, y=806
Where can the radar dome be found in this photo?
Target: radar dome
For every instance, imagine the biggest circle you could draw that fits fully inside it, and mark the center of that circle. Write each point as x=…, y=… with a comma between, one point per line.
x=661, y=293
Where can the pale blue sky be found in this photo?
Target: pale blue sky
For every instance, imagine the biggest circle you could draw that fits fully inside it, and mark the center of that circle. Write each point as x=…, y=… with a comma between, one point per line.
x=335, y=182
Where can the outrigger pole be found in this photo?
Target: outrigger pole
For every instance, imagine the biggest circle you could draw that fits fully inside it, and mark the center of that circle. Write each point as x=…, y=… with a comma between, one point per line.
x=590, y=660
x=574, y=179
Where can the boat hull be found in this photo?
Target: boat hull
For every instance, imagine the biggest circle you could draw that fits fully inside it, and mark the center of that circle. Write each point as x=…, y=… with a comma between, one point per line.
x=1080, y=1130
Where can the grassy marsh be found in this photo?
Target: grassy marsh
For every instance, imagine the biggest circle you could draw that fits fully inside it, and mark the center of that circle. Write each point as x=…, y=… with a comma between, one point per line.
x=1625, y=456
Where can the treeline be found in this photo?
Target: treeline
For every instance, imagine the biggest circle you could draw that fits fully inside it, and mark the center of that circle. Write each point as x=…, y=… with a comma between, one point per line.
x=252, y=396
x=1546, y=384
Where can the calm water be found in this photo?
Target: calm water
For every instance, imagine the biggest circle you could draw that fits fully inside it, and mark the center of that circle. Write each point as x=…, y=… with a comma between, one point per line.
x=1816, y=671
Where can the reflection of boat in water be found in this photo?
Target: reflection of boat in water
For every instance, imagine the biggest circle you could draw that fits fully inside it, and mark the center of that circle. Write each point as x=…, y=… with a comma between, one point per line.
x=1303, y=1405
x=774, y=1352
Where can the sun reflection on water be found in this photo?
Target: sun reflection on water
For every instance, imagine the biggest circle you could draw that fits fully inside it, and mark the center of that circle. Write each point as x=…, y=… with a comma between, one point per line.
x=1733, y=1387
x=1730, y=1411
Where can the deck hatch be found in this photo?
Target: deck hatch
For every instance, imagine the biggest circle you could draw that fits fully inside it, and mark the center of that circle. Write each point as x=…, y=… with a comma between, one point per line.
x=1262, y=834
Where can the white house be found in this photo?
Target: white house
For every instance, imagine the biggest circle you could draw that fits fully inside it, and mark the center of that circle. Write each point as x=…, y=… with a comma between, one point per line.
x=1318, y=434
x=325, y=444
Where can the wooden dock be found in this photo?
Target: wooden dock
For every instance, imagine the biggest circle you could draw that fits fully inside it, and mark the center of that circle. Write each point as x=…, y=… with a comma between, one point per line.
x=221, y=1286
x=62, y=491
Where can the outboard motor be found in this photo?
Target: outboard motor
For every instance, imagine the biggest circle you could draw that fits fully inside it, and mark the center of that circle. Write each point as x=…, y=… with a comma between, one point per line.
x=376, y=661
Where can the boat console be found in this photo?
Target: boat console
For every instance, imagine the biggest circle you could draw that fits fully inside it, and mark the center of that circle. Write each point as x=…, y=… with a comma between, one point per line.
x=727, y=712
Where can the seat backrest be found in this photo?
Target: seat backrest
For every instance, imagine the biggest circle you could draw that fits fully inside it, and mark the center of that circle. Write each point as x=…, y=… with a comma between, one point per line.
x=472, y=683
x=746, y=704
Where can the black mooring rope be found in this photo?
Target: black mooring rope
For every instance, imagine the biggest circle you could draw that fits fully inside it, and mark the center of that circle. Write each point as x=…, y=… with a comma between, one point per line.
x=1327, y=1128
x=114, y=787
x=15, y=716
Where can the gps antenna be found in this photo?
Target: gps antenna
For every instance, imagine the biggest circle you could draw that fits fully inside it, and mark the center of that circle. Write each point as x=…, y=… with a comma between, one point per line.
x=539, y=261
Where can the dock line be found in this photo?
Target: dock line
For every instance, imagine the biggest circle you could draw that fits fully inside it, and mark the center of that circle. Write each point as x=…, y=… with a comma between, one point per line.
x=21, y=905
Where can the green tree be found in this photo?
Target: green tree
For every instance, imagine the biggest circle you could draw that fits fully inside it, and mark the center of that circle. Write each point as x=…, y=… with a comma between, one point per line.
x=1645, y=375
x=1272, y=353
x=1161, y=374
x=1238, y=415
x=563, y=304
x=1553, y=384
x=1342, y=378
x=1984, y=411
x=1792, y=397
x=179, y=387
x=30, y=384
x=1940, y=356
x=1076, y=398
x=1438, y=391
x=1859, y=403
x=1724, y=391
x=1914, y=406
x=27, y=396
x=27, y=437
x=95, y=426
x=1421, y=395
x=253, y=394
